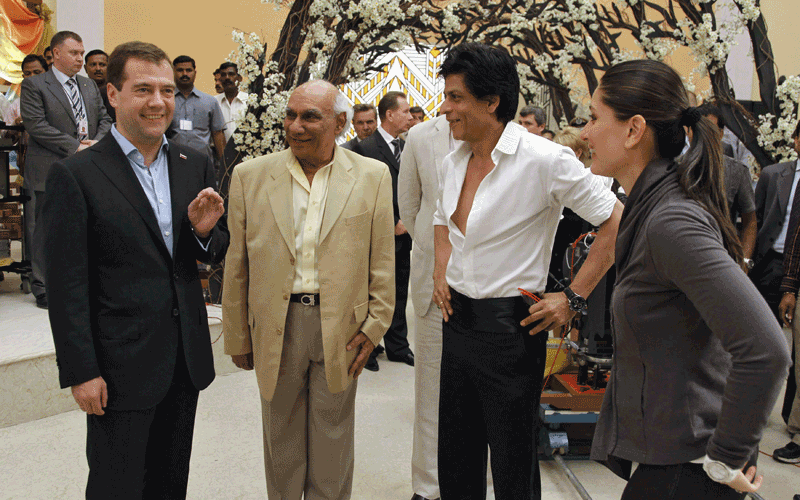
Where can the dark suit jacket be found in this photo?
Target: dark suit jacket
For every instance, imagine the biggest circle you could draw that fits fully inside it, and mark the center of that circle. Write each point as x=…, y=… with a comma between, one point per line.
x=50, y=123
x=118, y=303
x=772, y=197
x=375, y=146
x=112, y=113
x=351, y=144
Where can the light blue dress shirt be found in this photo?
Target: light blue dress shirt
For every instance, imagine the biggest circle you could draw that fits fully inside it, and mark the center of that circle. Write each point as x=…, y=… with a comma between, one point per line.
x=154, y=180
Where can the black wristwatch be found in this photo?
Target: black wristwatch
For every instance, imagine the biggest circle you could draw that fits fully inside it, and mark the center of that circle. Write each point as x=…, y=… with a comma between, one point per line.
x=576, y=302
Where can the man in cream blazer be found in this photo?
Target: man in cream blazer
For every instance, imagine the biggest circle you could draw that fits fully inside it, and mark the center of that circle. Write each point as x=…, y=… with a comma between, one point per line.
x=309, y=291
x=418, y=189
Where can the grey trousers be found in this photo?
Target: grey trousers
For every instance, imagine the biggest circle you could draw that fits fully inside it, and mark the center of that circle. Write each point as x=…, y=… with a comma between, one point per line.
x=308, y=431
x=34, y=248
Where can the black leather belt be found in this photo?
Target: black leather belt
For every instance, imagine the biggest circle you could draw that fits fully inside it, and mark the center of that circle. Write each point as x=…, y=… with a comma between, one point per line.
x=307, y=299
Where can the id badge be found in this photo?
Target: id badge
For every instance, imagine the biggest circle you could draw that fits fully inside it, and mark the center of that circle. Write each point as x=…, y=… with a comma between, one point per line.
x=186, y=124
x=83, y=127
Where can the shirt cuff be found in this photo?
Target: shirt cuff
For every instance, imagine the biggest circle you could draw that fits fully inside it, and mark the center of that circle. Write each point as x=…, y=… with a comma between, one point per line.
x=789, y=285
x=205, y=245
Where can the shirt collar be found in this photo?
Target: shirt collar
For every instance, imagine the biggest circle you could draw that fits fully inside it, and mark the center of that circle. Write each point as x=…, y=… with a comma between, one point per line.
x=386, y=135
x=192, y=93
x=128, y=147
x=61, y=77
x=797, y=165
x=507, y=144
x=296, y=170
x=241, y=97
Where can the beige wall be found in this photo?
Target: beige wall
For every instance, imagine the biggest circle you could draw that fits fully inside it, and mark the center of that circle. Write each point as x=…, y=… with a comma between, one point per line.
x=201, y=30
x=782, y=18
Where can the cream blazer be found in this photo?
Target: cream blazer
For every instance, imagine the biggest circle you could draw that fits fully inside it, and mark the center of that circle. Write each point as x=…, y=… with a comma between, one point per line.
x=417, y=192
x=355, y=259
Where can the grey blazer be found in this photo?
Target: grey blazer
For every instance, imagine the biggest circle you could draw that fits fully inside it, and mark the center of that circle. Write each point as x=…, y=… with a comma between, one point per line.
x=49, y=120
x=772, y=197
x=698, y=356
x=352, y=143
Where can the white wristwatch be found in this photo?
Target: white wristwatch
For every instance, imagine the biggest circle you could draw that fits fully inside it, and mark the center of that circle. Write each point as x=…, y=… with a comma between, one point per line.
x=718, y=471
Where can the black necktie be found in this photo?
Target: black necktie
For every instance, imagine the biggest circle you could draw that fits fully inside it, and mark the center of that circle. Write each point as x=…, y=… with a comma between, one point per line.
x=398, y=148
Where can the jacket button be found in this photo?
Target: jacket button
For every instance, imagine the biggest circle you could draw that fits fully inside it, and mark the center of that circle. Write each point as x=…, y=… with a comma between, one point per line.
x=278, y=331
x=291, y=261
x=175, y=312
x=285, y=296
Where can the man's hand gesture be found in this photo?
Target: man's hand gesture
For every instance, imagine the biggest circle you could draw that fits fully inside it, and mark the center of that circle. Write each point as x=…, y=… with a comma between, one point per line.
x=205, y=211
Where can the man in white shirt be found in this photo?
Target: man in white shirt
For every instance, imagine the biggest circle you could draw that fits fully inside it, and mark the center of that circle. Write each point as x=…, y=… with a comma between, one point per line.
x=232, y=101
x=502, y=194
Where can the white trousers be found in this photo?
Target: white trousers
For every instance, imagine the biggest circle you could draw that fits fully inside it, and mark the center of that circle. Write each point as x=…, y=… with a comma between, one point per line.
x=427, y=362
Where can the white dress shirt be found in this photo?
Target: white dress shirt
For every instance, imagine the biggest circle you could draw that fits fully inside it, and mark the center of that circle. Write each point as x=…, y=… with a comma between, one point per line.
x=233, y=112
x=308, y=202
x=780, y=243
x=515, y=213
x=62, y=79
x=388, y=138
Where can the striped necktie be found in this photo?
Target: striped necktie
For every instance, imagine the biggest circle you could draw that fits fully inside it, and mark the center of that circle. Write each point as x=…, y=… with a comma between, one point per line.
x=77, y=105
x=398, y=148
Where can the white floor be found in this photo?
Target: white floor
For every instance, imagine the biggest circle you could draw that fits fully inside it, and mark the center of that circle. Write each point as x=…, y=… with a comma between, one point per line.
x=44, y=459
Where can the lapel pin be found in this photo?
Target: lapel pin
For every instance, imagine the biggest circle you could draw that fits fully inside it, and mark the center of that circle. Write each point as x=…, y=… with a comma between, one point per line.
x=183, y=156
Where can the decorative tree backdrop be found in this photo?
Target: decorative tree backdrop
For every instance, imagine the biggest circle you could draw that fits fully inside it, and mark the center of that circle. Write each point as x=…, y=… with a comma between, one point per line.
x=563, y=45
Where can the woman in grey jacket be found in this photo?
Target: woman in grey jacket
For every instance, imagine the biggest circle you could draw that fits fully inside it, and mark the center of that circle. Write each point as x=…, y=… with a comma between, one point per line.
x=699, y=357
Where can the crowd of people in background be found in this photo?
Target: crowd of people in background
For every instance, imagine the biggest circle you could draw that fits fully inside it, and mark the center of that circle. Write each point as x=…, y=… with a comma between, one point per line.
x=458, y=212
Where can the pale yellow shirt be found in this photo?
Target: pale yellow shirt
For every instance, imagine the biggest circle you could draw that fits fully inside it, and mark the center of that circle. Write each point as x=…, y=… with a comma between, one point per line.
x=308, y=201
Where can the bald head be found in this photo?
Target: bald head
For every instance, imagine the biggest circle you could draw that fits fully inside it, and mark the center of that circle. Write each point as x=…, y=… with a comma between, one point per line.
x=313, y=120
x=324, y=92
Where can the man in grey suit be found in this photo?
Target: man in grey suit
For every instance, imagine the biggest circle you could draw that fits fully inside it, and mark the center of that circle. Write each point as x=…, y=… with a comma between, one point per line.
x=63, y=113
x=417, y=191
x=365, y=122
x=775, y=193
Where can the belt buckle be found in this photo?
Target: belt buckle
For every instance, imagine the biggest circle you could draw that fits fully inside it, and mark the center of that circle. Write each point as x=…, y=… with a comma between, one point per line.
x=307, y=300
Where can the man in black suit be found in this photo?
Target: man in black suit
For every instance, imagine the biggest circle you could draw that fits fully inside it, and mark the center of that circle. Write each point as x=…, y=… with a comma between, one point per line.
x=365, y=121
x=385, y=145
x=776, y=191
x=125, y=222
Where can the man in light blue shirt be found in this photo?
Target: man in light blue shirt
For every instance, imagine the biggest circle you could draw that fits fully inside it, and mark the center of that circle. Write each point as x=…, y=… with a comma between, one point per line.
x=198, y=117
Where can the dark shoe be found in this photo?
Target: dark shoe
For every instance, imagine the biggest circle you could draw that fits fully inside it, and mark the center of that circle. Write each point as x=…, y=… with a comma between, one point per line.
x=789, y=454
x=379, y=349
x=372, y=365
x=418, y=497
x=405, y=358
x=41, y=301
x=796, y=497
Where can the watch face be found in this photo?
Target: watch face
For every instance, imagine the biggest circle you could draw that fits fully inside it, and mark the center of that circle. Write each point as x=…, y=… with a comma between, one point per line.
x=577, y=303
x=717, y=472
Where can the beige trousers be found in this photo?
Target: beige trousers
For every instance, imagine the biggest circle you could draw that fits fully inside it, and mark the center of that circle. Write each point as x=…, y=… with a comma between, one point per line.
x=308, y=431
x=428, y=361
x=794, y=416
